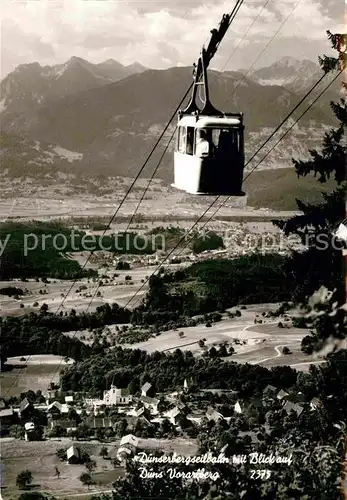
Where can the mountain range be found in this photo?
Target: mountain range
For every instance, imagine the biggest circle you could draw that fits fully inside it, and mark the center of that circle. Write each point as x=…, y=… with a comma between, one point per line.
x=31, y=85
x=104, y=118
x=297, y=76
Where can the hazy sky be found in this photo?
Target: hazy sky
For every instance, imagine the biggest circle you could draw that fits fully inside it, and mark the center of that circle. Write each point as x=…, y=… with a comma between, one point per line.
x=160, y=34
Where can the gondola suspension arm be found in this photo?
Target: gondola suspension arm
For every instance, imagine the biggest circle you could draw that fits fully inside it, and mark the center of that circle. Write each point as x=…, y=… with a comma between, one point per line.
x=200, y=68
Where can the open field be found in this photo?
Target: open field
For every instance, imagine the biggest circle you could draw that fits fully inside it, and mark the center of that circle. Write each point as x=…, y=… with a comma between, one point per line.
x=35, y=373
x=253, y=343
x=117, y=291
x=40, y=458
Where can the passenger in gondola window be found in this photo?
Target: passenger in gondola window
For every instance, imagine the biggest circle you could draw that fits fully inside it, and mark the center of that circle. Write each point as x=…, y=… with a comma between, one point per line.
x=202, y=147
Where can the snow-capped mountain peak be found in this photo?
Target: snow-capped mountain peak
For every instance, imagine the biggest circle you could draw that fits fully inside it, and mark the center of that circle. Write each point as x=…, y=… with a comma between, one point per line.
x=296, y=75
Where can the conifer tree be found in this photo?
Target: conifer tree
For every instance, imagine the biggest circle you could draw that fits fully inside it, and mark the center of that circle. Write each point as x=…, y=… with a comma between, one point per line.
x=322, y=262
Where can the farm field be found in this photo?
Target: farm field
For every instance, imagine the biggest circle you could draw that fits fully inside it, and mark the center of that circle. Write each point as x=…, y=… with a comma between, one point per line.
x=117, y=291
x=40, y=458
x=35, y=373
x=253, y=343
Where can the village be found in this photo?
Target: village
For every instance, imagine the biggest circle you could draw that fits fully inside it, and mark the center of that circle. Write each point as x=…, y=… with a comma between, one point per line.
x=238, y=239
x=132, y=417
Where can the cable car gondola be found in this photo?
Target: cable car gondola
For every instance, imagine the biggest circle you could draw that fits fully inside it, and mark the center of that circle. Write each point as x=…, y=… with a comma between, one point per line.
x=209, y=153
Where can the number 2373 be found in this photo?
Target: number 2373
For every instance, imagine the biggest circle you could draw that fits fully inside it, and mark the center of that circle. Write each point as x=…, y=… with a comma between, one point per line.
x=260, y=474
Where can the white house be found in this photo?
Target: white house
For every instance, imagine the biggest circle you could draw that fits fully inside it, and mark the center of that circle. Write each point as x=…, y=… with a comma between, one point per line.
x=73, y=455
x=93, y=404
x=130, y=441
x=195, y=418
x=115, y=396
x=136, y=413
x=127, y=447
x=282, y=394
x=173, y=414
x=123, y=452
x=289, y=407
x=145, y=388
x=29, y=428
x=69, y=399
x=57, y=408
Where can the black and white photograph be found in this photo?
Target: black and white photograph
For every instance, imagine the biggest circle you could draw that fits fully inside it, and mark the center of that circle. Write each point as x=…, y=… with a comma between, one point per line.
x=173, y=250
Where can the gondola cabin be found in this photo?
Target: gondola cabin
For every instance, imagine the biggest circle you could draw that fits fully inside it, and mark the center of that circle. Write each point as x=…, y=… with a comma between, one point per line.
x=209, y=154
